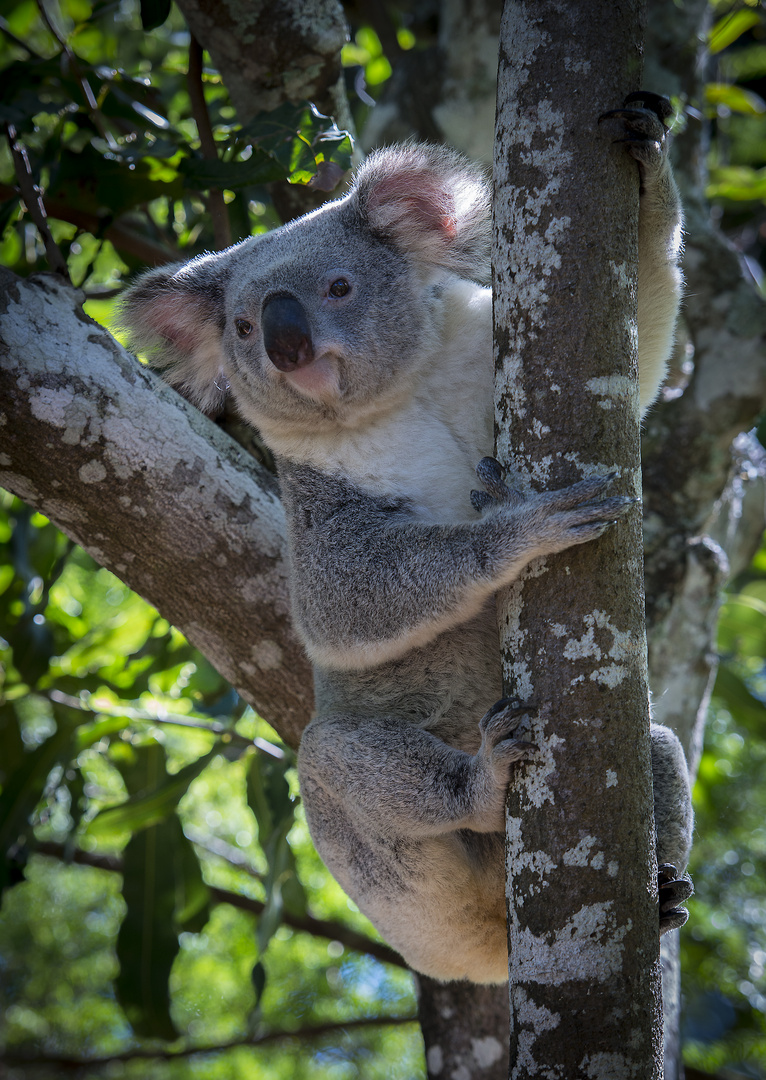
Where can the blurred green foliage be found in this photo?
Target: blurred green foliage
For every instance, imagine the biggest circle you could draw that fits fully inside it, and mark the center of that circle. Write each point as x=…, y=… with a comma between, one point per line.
x=121, y=746
x=159, y=882
x=735, y=104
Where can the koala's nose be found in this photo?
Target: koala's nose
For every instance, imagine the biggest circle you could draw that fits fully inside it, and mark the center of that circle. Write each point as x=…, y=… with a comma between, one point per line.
x=286, y=334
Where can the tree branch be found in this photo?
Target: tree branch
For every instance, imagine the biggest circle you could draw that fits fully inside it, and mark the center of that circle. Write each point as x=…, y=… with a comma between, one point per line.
x=72, y=1063
x=153, y=490
x=118, y=232
x=215, y=202
x=327, y=928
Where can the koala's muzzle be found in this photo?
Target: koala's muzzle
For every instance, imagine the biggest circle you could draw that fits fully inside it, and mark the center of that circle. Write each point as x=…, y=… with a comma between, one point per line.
x=286, y=334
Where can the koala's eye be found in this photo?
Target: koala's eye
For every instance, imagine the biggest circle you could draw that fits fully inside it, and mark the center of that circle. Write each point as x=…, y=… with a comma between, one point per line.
x=340, y=287
x=243, y=327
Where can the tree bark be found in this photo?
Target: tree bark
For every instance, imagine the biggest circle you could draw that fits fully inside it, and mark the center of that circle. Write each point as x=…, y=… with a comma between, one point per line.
x=582, y=900
x=152, y=489
x=465, y=1029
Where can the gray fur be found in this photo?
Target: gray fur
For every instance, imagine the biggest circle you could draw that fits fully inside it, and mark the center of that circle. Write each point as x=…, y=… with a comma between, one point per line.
x=376, y=399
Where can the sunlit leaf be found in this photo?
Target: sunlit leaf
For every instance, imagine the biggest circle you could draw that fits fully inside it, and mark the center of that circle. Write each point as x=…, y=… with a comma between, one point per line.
x=151, y=804
x=735, y=98
x=730, y=27
x=147, y=942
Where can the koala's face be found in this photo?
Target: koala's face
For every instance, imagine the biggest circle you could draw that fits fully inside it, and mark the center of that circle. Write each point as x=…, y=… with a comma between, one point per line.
x=326, y=321
x=321, y=318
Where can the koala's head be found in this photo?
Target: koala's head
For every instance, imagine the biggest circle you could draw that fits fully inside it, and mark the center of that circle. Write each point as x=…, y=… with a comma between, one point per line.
x=322, y=320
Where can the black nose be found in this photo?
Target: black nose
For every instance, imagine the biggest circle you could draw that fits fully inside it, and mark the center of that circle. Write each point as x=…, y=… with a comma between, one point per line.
x=286, y=334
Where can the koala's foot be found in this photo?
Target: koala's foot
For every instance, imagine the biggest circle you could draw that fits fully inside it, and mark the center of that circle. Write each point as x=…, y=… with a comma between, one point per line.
x=674, y=890
x=492, y=763
x=644, y=131
x=556, y=519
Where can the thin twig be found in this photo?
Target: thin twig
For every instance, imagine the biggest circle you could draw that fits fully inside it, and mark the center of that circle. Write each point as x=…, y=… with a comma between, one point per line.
x=33, y=201
x=306, y=1033
x=216, y=204
x=74, y=64
x=326, y=928
x=121, y=235
x=7, y=32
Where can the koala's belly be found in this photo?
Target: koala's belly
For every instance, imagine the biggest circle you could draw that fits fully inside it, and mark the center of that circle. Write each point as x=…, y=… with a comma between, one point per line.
x=445, y=686
x=438, y=901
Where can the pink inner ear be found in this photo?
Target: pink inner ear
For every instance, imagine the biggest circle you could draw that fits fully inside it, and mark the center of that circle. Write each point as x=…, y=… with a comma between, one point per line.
x=412, y=196
x=176, y=317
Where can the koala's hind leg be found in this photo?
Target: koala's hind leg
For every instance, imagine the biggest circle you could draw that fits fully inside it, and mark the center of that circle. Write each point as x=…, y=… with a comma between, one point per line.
x=401, y=779
x=391, y=809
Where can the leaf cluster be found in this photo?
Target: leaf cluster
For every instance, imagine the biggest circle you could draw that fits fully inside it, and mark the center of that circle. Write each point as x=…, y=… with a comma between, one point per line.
x=113, y=139
x=123, y=750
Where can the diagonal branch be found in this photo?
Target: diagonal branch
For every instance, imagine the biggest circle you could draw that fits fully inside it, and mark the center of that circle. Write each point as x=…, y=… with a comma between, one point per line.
x=75, y=1064
x=153, y=490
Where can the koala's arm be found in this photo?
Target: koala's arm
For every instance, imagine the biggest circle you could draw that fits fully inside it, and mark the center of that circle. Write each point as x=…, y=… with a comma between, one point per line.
x=672, y=798
x=660, y=236
x=370, y=581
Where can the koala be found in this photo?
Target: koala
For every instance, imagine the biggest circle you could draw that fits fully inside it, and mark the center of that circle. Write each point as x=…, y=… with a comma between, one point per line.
x=358, y=341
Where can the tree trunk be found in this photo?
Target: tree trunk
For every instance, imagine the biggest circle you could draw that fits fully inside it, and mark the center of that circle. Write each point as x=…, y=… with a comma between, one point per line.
x=465, y=1029
x=583, y=923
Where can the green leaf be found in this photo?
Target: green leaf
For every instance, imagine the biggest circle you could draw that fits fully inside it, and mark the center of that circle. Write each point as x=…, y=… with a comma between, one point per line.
x=733, y=693
x=742, y=626
x=258, y=977
x=268, y=795
x=738, y=183
x=89, y=181
x=730, y=27
x=26, y=784
x=154, y=13
x=11, y=744
x=152, y=803
x=147, y=943
x=192, y=906
x=735, y=98
x=200, y=174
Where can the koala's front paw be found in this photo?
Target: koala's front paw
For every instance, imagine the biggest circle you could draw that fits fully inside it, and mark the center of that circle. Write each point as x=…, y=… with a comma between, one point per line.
x=552, y=520
x=493, y=761
x=674, y=890
x=644, y=131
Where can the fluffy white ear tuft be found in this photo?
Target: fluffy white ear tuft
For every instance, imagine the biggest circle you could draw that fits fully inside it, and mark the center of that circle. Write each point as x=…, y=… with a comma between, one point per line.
x=175, y=316
x=431, y=202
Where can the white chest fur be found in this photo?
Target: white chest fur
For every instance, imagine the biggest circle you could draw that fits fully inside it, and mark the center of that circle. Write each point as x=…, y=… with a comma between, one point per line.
x=427, y=448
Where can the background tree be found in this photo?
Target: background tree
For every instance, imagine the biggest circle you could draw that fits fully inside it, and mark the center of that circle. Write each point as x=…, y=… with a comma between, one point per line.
x=115, y=730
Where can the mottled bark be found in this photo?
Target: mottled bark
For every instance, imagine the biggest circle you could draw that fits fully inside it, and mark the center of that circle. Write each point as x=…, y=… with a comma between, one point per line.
x=271, y=51
x=445, y=91
x=465, y=1029
x=582, y=903
x=152, y=490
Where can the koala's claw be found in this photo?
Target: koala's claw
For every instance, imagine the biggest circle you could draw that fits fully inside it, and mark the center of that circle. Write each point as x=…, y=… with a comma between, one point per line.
x=481, y=501
x=656, y=102
x=490, y=473
x=674, y=890
x=499, y=723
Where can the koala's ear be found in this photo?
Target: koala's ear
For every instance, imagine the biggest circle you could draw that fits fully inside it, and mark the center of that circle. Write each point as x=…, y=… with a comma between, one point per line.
x=175, y=316
x=429, y=201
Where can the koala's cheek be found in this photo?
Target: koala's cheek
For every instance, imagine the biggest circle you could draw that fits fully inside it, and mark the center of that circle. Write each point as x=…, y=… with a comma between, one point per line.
x=318, y=380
